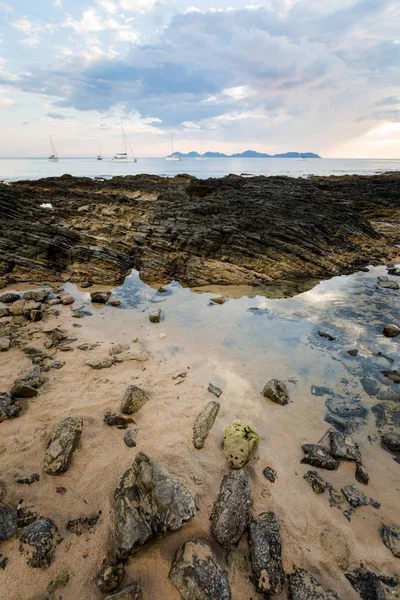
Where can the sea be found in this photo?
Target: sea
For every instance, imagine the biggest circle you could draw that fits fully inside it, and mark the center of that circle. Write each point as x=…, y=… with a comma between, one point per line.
x=14, y=169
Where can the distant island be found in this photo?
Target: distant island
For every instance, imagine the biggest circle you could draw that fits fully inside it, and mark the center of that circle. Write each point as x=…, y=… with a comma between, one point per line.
x=248, y=154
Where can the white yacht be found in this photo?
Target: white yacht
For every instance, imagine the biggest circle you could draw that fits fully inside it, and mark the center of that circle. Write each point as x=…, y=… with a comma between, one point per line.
x=172, y=156
x=53, y=156
x=124, y=156
x=201, y=157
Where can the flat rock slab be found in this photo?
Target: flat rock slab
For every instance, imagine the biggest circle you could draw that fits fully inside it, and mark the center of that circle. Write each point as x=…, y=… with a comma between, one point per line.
x=38, y=542
x=318, y=456
x=149, y=502
x=62, y=445
x=232, y=510
x=9, y=407
x=239, y=441
x=131, y=592
x=304, y=586
x=276, y=391
x=8, y=521
x=343, y=446
x=266, y=554
x=134, y=399
x=197, y=574
x=203, y=423
x=391, y=539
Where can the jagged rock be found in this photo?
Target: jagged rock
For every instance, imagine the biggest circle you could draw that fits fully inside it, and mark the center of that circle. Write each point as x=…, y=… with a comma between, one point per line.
x=134, y=399
x=304, y=586
x=38, y=542
x=266, y=554
x=37, y=296
x=118, y=349
x=371, y=586
x=9, y=407
x=232, y=510
x=56, y=335
x=155, y=316
x=214, y=390
x=345, y=414
x=391, y=441
x=276, y=391
x=36, y=315
x=131, y=592
x=81, y=524
x=8, y=521
x=269, y=474
x=391, y=539
x=9, y=298
x=356, y=497
x=62, y=445
x=391, y=331
x=203, y=423
x=138, y=353
x=318, y=456
x=197, y=574
x=104, y=362
x=129, y=438
x=100, y=297
x=115, y=420
x=5, y=343
x=65, y=300
x=239, y=442
x=317, y=483
x=149, y=501
x=110, y=576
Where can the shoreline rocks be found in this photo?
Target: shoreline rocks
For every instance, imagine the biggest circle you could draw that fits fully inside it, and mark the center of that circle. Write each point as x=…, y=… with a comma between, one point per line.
x=239, y=443
x=134, y=399
x=231, y=512
x=276, y=391
x=38, y=542
x=62, y=444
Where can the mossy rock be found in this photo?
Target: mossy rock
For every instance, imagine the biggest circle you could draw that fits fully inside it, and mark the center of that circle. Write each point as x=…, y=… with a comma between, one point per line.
x=239, y=441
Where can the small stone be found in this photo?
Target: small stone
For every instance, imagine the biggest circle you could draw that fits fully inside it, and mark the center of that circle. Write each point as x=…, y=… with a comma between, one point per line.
x=134, y=399
x=132, y=592
x=114, y=302
x=197, y=574
x=118, y=349
x=28, y=480
x=391, y=331
x=36, y=315
x=203, y=423
x=82, y=524
x=317, y=483
x=62, y=444
x=266, y=554
x=22, y=389
x=9, y=298
x=4, y=344
x=214, y=390
x=391, y=539
x=100, y=363
x=38, y=542
x=353, y=352
x=9, y=407
x=356, y=497
x=65, y=300
x=4, y=312
x=100, y=297
x=393, y=375
x=162, y=336
x=119, y=421
x=231, y=512
x=129, y=438
x=86, y=284
x=269, y=474
x=318, y=456
x=361, y=474
x=8, y=521
x=276, y=391
x=390, y=440
x=54, y=301
x=60, y=581
x=304, y=586
x=239, y=443
x=327, y=336
x=218, y=300
x=110, y=576
x=155, y=316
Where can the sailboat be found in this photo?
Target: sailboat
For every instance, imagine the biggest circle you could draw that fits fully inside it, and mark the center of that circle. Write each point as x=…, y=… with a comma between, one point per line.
x=201, y=157
x=99, y=156
x=300, y=157
x=172, y=156
x=123, y=156
x=53, y=157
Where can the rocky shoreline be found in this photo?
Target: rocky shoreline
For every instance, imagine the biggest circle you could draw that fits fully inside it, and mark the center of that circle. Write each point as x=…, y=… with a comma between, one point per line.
x=233, y=230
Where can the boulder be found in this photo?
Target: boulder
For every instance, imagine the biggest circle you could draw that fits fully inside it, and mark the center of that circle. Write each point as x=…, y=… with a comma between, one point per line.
x=155, y=316
x=62, y=445
x=5, y=343
x=8, y=521
x=197, y=573
x=391, y=539
x=134, y=399
x=231, y=512
x=318, y=456
x=100, y=297
x=17, y=308
x=203, y=423
x=9, y=407
x=9, y=298
x=67, y=300
x=276, y=391
x=110, y=576
x=391, y=441
x=38, y=542
x=266, y=554
x=132, y=592
x=149, y=501
x=239, y=442
x=37, y=296
x=391, y=331
x=304, y=586
x=317, y=483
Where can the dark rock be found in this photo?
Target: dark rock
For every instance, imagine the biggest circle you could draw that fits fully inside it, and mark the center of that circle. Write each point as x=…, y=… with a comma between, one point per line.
x=129, y=438
x=391, y=539
x=86, y=284
x=327, y=336
x=38, y=542
x=100, y=297
x=371, y=385
x=3, y=562
x=266, y=554
x=28, y=480
x=22, y=389
x=345, y=414
x=81, y=524
x=392, y=375
x=9, y=407
x=148, y=503
x=342, y=446
x=134, y=399
x=162, y=290
x=276, y=391
x=269, y=474
x=26, y=517
x=37, y=296
x=318, y=456
x=36, y=315
x=119, y=421
x=353, y=352
x=203, y=423
x=131, y=592
x=214, y=390
x=371, y=586
x=390, y=441
x=110, y=576
x=197, y=574
x=62, y=444
x=317, y=483
x=356, y=497
x=155, y=316
x=391, y=331
x=9, y=298
x=304, y=586
x=232, y=510
x=8, y=521
x=387, y=415
x=361, y=474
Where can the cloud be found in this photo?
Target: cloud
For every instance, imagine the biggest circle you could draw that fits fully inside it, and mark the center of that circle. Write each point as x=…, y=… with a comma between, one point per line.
x=32, y=29
x=6, y=102
x=53, y=115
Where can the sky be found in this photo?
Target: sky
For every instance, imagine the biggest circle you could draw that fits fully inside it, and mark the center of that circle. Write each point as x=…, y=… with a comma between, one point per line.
x=273, y=76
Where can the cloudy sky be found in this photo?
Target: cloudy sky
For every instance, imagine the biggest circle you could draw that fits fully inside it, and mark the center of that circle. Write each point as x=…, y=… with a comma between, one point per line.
x=314, y=75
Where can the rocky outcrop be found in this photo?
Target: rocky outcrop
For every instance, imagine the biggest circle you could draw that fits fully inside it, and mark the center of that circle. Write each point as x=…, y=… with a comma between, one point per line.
x=232, y=510
x=232, y=230
x=197, y=574
x=266, y=554
x=149, y=502
x=203, y=423
x=62, y=445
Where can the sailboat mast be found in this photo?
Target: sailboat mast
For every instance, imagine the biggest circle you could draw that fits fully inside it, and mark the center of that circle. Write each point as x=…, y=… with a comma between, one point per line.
x=123, y=135
x=172, y=144
x=53, y=150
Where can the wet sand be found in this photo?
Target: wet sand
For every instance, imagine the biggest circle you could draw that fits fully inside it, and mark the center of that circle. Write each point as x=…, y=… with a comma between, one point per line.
x=237, y=361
